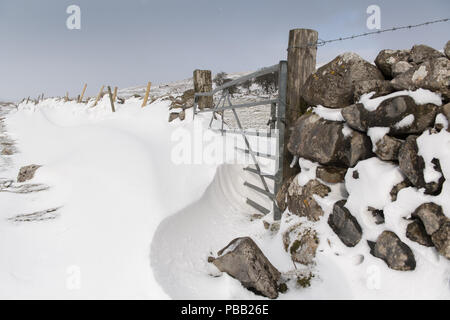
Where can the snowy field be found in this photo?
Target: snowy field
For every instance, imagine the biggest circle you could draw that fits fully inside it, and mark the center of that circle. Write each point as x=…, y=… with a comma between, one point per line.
x=136, y=220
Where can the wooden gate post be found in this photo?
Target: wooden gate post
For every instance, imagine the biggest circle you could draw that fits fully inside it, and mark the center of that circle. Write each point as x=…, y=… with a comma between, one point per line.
x=203, y=83
x=301, y=64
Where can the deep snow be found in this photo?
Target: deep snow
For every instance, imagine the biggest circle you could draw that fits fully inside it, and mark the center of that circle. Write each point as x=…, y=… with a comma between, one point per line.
x=134, y=223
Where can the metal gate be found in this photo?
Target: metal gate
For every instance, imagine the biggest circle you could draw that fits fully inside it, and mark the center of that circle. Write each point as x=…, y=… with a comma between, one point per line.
x=278, y=110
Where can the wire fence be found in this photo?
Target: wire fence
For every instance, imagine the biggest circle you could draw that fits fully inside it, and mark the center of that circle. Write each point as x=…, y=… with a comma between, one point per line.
x=320, y=42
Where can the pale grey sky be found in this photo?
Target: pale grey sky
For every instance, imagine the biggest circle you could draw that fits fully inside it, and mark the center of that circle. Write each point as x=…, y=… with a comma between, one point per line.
x=128, y=43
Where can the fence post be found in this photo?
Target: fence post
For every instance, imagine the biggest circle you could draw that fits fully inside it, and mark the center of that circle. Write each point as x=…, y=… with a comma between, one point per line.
x=98, y=96
x=111, y=99
x=115, y=94
x=301, y=64
x=147, y=92
x=203, y=83
x=80, y=98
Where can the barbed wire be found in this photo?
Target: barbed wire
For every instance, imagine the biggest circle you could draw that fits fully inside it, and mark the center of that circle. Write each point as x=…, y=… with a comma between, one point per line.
x=320, y=42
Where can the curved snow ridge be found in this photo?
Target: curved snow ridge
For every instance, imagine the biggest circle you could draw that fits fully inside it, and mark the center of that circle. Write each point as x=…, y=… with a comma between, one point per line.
x=183, y=241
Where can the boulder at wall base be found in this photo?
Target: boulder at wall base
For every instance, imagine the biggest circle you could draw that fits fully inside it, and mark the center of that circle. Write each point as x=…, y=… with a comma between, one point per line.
x=324, y=141
x=332, y=85
x=386, y=59
x=393, y=251
x=387, y=148
x=416, y=232
x=301, y=243
x=412, y=165
x=435, y=224
x=431, y=216
x=433, y=75
x=390, y=113
x=380, y=87
x=27, y=173
x=344, y=224
x=441, y=239
x=243, y=260
x=301, y=200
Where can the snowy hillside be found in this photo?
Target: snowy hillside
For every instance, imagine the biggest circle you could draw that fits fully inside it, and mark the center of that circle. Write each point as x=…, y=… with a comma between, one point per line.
x=254, y=117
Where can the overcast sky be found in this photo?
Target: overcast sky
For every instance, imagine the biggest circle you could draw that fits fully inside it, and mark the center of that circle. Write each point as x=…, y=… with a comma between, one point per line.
x=128, y=43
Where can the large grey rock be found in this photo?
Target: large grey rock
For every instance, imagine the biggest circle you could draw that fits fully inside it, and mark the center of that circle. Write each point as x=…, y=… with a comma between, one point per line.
x=331, y=174
x=441, y=239
x=380, y=87
x=324, y=141
x=243, y=260
x=412, y=165
x=387, y=148
x=332, y=85
x=421, y=53
x=301, y=243
x=393, y=251
x=433, y=75
x=301, y=199
x=344, y=224
x=431, y=215
x=386, y=59
x=447, y=49
x=400, y=67
x=436, y=224
x=416, y=232
x=390, y=113
x=27, y=173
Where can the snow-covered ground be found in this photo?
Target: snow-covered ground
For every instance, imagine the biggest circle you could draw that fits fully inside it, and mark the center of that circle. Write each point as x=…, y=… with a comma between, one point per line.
x=138, y=219
x=116, y=179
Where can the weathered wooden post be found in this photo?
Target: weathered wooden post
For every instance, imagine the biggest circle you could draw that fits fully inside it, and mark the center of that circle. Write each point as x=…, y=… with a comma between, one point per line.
x=66, y=98
x=98, y=96
x=302, y=52
x=115, y=94
x=80, y=98
x=111, y=99
x=147, y=92
x=203, y=83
